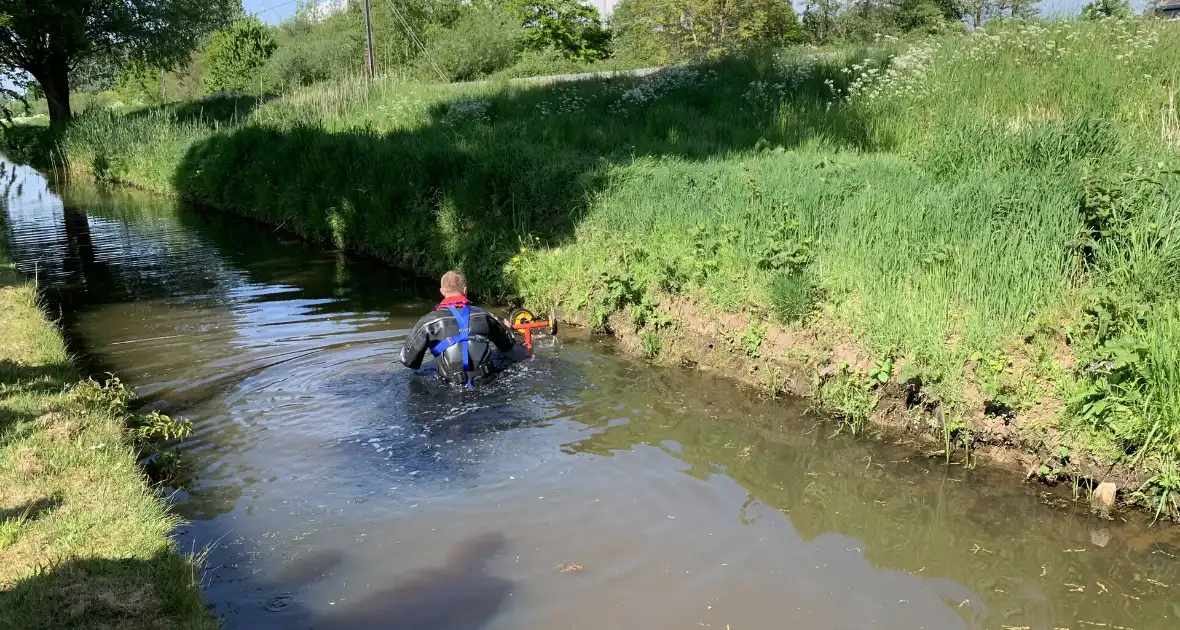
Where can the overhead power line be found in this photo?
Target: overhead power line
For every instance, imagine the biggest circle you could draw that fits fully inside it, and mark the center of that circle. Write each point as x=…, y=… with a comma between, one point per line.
x=414, y=38
x=277, y=6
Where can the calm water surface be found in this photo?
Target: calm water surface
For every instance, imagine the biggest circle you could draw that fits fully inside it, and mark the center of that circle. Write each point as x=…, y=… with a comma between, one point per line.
x=336, y=489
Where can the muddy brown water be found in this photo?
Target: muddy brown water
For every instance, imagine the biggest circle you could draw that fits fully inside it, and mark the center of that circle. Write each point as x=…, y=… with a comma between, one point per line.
x=335, y=489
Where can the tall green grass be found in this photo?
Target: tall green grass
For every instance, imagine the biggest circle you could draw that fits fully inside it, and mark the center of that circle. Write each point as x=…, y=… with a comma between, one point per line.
x=937, y=203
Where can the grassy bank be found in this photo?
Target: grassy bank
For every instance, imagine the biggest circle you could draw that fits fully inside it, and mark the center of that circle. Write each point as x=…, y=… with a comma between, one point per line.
x=975, y=234
x=83, y=541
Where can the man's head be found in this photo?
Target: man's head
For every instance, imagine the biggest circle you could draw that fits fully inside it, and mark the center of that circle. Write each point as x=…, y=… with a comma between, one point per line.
x=453, y=284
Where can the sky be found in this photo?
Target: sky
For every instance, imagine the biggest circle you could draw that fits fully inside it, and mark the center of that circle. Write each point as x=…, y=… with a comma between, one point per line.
x=274, y=11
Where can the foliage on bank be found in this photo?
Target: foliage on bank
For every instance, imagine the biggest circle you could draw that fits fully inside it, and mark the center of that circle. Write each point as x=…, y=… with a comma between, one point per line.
x=990, y=220
x=84, y=542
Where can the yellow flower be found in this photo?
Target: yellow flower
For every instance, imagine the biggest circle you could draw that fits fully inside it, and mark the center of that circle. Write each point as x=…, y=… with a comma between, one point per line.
x=524, y=249
x=516, y=259
x=537, y=238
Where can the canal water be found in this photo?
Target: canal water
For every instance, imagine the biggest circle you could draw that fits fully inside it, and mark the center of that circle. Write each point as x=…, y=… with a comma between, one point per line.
x=333, y=488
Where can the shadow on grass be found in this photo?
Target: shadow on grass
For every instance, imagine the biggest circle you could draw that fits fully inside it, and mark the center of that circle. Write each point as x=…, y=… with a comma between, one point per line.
x=17, y=380
x=31, y=511
x=126, y=593
x=211, y=111
x=484, y=175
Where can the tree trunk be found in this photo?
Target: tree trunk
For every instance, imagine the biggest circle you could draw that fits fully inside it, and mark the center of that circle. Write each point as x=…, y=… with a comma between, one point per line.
x=55, y=82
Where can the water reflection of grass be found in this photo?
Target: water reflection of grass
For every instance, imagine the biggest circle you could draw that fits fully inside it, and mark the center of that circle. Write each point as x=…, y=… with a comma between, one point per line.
x=906, y=513
x=83, y=540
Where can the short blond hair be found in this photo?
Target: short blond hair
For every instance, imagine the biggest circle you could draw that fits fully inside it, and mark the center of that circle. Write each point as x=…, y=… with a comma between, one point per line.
x=453, y=283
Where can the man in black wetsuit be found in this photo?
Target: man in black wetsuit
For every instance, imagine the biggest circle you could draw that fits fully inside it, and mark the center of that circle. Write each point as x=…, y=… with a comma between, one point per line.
x=459, y=335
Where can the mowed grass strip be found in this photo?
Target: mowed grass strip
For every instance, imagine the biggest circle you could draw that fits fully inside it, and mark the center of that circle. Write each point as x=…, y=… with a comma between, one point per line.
x=83, y=540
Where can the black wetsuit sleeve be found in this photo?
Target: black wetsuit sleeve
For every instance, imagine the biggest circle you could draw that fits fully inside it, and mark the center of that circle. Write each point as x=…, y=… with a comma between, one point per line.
x=415, y=346
x=500, y=335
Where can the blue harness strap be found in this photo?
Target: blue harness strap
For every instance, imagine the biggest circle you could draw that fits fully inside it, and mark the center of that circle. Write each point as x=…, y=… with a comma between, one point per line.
x=462, y=318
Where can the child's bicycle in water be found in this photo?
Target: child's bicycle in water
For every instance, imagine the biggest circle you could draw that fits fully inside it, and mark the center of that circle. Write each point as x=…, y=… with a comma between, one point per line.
x=525, y=322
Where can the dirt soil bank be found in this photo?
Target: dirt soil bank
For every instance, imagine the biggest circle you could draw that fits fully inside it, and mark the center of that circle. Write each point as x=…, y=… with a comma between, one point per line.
x=823, y=364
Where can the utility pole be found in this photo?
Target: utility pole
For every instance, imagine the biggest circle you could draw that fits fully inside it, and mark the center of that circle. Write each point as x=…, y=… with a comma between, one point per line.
x=370, y=64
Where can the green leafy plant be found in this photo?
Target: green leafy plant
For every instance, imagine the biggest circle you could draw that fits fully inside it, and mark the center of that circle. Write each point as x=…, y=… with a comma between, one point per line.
x=483, y=41
x=992, y=362
x=112, y=397
x=1165, y=484
x=881, y=371
x=10, y=529
x=614, y=291
x=705, y=247
x=646, y=313
x=671, y=277
x=848, y=396
x=157, y=426
x=1053, y=468
x=786, y=249
x=752, y=338
x=955, y=432
x=1106, y=9
x=570, y=27
x=939, y=255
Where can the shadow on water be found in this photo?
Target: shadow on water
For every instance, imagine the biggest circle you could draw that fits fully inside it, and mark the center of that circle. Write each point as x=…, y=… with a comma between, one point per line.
x=201, y=256
x=266, y=260
x=465, y=187
x=460, y=594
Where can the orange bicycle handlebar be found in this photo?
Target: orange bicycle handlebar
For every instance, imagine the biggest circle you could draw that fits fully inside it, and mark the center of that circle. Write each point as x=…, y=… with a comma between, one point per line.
x=524, y=321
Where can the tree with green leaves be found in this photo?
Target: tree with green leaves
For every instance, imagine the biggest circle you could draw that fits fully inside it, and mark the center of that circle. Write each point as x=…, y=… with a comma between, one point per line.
x=1021, y=9
x=1103, y=9
x=400, y=26
x=979, y=11
x=631, y=36
x=864, y=20
x=568, y=26
x=50, y=38
x=924, y=16
x=819, y=21
x=236, y=54
x=682, y=29
x=139, y=82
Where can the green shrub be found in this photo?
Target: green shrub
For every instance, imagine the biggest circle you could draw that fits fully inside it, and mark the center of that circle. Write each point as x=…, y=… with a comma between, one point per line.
x=570, y=27
x=482, y=42
x=1103, y=9
x=309, y=54
x=235, y=55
